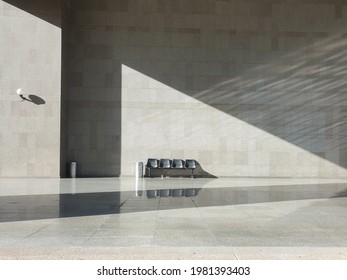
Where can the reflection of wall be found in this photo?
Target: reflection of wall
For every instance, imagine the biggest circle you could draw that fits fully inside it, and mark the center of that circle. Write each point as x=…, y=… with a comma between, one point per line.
x=247, y=88
x=30, y=58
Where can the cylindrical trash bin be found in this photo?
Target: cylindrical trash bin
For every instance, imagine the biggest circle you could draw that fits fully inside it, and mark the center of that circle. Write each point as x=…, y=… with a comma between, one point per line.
x=139, y=170
x=72, y=169
x=138, y=178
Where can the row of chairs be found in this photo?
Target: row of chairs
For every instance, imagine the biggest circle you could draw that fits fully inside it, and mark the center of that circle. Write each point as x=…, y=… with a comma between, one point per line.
x=168, y=163
x=168, y=167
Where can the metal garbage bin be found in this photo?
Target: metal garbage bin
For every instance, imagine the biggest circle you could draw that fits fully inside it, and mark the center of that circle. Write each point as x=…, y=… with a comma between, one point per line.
x=139, y=170
x=72, y=169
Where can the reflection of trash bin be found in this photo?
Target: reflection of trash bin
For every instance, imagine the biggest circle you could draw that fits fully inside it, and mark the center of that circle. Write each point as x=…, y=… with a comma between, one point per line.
x=72, y=169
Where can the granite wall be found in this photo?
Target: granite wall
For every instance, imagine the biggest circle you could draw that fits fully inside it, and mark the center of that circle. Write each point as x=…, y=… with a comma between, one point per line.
x=30, y=59
x=247, y=88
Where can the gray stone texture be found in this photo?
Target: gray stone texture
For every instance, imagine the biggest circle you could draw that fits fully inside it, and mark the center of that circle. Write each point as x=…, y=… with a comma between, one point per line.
x=247, y=88
x=30, y=58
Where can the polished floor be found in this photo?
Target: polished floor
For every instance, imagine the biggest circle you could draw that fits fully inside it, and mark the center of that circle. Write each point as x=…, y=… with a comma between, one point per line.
x=173, y=218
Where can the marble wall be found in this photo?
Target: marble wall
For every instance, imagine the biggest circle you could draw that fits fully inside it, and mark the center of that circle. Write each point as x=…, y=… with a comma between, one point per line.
x=30, y=59
x=247, y=88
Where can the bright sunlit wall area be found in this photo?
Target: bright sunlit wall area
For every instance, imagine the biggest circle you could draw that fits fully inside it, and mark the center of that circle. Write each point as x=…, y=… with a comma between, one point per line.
x=246, y=88
x=30, y=60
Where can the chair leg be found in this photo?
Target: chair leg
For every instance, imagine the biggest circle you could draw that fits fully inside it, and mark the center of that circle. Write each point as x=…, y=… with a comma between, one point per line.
x=148, y=172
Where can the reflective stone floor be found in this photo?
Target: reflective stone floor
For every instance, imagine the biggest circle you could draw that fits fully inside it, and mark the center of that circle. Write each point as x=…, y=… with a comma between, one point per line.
x=173, y=218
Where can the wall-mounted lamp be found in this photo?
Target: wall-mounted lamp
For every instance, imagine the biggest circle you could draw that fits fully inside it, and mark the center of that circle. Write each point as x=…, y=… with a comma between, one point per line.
x=31, y=98
x=19, y=92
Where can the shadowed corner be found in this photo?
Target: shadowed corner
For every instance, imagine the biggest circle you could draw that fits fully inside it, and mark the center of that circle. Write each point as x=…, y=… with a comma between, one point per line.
x=199, y=172
x=40, y=9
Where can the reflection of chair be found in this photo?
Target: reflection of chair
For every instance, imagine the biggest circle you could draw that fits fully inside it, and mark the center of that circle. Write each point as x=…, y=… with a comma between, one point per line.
x=172, y=192
x=151, y=163
x=190, y=164
x=152, y=193
x=178, y=163
x=164, y=193
x=177, y=192
x=165, y=163
x=189, y=192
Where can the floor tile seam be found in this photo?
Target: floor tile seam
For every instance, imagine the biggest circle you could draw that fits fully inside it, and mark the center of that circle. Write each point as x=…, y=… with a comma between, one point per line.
x=32, y=233
x=25, y=237
x=130, y=231
x=36, y=231
x=117, y=237
x=208, y=228
x=156, y=227
x=99, y=228
x=89, y=238
x=201, y=216
x=156, y=215
x=123, y=203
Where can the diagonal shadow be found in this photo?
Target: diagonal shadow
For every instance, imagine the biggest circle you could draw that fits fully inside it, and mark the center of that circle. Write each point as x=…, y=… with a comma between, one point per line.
x=295, y=92
x=47, y=10
x=52, y=206
x=298, y=97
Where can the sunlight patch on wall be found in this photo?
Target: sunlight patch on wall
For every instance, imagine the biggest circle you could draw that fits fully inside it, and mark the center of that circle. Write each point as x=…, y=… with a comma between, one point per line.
x=30, y=59
x=161, y=122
